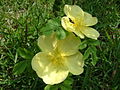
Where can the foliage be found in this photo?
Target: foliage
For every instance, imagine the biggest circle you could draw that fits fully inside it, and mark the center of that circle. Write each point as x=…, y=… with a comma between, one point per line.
x=22, y=21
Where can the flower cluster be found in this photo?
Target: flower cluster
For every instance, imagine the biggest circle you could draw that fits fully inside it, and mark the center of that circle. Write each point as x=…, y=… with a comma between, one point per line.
x=59, y=57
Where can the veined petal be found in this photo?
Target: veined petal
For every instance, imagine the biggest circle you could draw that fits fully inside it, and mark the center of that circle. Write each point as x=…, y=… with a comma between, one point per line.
x=73, y=11
x=46, y=43
x=69, y=45
x=67, y=25
x=40, y=61
x=90, y=32
x=89, y=20
x=75, y=63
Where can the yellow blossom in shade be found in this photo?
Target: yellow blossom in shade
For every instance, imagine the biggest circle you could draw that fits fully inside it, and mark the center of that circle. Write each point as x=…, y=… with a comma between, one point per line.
x=78, y=21
x=58, y=58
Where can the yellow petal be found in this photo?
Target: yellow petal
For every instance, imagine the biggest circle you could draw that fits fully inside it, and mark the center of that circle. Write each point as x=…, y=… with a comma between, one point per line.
x=55, y=75
x=89, y=20
x=49, y=72
x=78, y=33
x=90, y=32
x=69, y=45
x=40, y=61
x=46, y=43
x=73, y=11
x=75, y=63
x=67, y=25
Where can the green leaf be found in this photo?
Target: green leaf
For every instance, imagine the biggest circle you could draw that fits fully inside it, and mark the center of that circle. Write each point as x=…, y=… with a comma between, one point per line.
x=93, y=49
x=93, y=55
x=19, y=67
x=51, y=87
x=83, y=45
x=53, y=23
x=94, y=59
x=66, y=87
x=87, y=53
x=50, y=26
x=67, y=84
x=68, y=81
x=47, y=87
x=93, y=42
x=61, y=34
x=24, y=53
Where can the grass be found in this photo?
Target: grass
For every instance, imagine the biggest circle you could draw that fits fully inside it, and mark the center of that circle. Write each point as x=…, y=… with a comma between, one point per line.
x=20, y=25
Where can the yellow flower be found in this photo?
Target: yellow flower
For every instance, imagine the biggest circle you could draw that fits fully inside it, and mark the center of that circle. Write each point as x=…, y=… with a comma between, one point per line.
x=78, y=21
x=58, y=58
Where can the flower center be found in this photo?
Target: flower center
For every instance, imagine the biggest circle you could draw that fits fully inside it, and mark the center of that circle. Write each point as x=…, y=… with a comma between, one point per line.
x=57, y=57
x=77, y=23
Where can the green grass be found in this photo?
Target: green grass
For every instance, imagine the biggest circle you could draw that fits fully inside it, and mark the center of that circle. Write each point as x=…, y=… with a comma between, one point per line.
x=21, y=22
